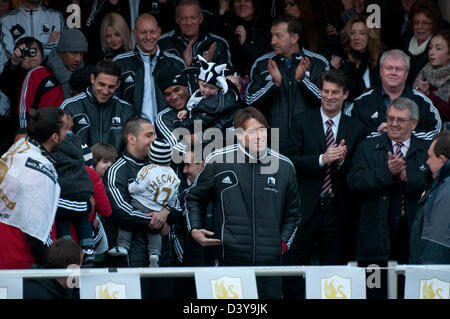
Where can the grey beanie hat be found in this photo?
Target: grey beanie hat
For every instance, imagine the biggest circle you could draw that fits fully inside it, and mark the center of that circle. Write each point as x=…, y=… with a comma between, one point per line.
x=72, y=40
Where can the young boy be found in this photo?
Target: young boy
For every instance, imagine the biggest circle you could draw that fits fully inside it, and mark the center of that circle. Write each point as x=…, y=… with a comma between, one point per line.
x=213, y=103
x=74, y=204
x=155, y=186
x=103, y=155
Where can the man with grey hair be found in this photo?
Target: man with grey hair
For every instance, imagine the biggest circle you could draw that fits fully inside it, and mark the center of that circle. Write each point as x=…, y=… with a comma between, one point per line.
x=370, y=107
x=388, y=174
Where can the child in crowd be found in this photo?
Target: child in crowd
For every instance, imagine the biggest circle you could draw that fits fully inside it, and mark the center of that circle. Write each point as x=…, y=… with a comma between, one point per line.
x=104, y=155
x=74, y=204
x=155, y=187
x=213, y=103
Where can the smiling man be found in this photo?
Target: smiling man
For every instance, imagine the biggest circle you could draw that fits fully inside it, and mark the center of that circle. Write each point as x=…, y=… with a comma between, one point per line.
x=189, y=39
x=388, y=175
x=176, y=92
x=370, y=107
x=322, y=146
x=97, y=114
x=142, y=66
x=255, y=215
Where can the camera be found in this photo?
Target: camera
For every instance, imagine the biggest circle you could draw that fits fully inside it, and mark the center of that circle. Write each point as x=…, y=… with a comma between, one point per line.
x=31, y=52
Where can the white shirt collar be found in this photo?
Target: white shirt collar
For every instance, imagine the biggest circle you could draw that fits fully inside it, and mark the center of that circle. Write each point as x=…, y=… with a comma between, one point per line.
x=143, y=55
x=335, y=119
x=406, y=143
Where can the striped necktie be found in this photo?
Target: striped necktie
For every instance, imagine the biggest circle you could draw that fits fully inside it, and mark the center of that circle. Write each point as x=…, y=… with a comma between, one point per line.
x=329, y=140
x=399, y=153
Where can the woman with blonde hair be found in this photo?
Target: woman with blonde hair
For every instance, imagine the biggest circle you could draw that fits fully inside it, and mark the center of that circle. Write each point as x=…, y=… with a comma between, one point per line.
x=363, y=47
x=115, y=38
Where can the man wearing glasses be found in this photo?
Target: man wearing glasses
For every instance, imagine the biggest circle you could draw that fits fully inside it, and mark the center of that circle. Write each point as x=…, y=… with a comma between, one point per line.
x=370, y=107
x=388, y=175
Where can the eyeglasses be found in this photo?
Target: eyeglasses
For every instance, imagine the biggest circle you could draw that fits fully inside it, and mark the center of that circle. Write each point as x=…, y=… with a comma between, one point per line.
x=399, y=120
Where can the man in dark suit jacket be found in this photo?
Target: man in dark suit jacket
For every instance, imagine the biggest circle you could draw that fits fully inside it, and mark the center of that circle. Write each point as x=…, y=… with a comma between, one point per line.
x=388, y=174
x=321, y=172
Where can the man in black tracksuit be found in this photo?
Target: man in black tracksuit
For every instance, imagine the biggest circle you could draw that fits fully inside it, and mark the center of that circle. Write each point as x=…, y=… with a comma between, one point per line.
x=189, y=39
x=176, y=92
x=139, y=133
x=255, y=211
x=142, y=66
x=98, y=115
x=285, y=82
x=370, y=107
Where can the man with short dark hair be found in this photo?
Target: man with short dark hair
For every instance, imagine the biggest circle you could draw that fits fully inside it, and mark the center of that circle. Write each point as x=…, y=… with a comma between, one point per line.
x=98, y=115
x=322, y=147
x=138, y=133
x=30, y=190
x=62, y=254
x=285, y=82
x=430, y=232
x=256, y=211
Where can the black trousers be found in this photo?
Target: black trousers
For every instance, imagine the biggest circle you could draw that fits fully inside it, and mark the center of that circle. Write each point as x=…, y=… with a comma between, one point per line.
x=323, y=230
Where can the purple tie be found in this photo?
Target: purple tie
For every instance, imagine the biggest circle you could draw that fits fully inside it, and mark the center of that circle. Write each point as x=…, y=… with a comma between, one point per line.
x=329, y=140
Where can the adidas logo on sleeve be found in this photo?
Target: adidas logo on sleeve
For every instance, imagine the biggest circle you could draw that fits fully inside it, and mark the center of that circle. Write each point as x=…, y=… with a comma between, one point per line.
x=227, y=180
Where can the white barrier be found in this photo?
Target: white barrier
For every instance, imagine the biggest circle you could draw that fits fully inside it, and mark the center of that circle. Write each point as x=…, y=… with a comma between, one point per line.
x=177, y=272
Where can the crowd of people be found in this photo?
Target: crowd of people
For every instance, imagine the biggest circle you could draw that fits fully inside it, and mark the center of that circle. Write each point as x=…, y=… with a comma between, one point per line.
x=115, y=137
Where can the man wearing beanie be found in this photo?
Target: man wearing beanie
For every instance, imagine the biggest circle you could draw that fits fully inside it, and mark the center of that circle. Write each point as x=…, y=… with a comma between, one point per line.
x=67, y=57
x=156, y=186
x=176, y=92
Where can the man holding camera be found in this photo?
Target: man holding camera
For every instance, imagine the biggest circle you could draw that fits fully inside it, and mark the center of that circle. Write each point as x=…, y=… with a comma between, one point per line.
x=27, y=84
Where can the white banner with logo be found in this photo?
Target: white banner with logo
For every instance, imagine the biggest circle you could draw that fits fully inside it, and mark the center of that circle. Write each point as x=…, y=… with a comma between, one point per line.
x=427, y=284
x=335, y=283
x=11, y=288
x=226, y=284
x=112, y=286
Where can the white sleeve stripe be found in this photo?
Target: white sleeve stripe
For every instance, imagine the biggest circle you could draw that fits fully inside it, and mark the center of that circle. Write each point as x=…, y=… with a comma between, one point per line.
x=249, y=99
x=72, y=99
x=71, y=205
x=164, y=129
x=348, y=111
x=120, y=202
x=433, y=110
x=23, y=96
x=312, y=87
